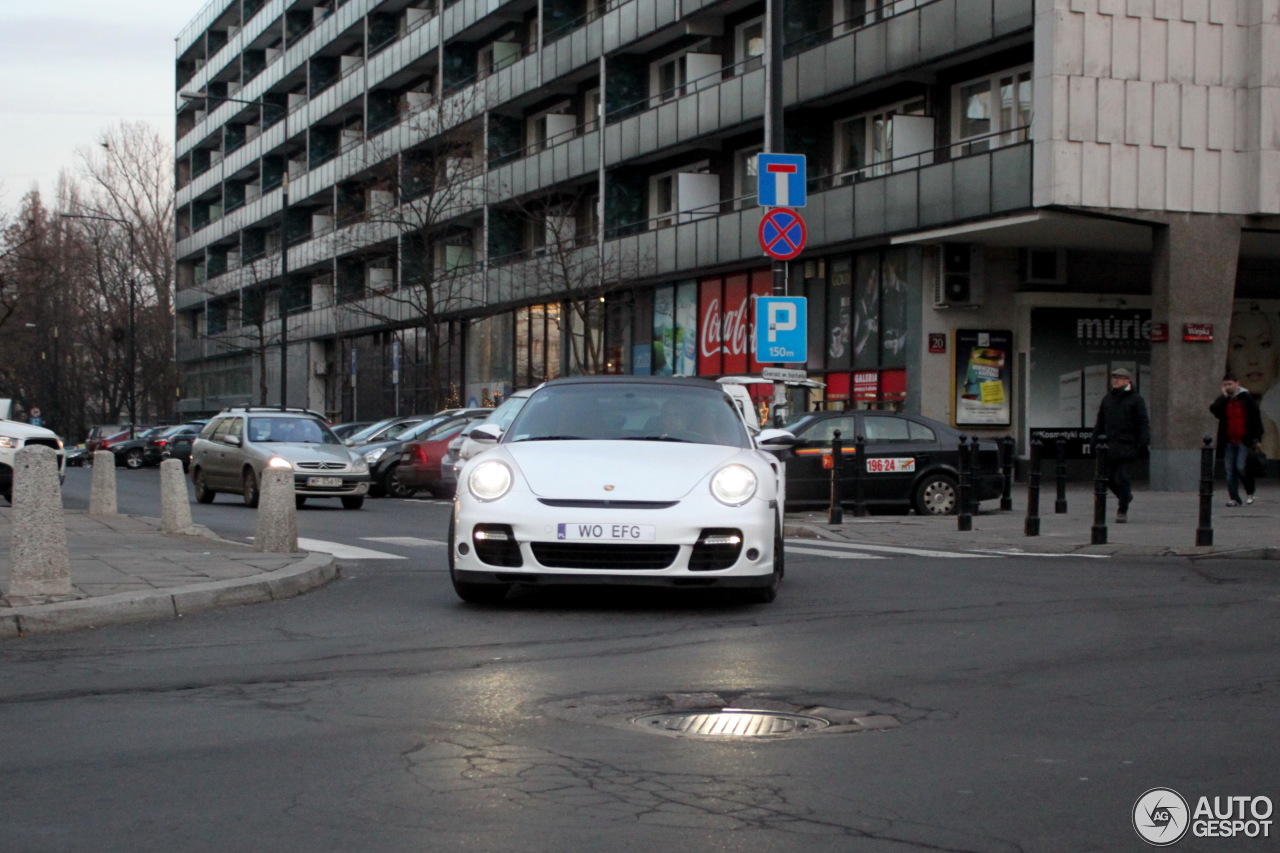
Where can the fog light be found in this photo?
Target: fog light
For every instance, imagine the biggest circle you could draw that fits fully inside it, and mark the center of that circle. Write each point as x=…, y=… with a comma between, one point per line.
x=464, y=549
x=753, y=554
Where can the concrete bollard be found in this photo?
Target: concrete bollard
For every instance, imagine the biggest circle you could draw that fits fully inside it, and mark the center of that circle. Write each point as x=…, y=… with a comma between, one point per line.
x=277, y=513
x=102, y=488
x=40, y=563
x=175, y=506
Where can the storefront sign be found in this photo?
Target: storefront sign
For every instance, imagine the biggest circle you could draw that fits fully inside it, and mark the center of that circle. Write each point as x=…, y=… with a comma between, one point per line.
x=982, y=377
x=937, y=342
x=1199, y=332
x=1078, y=443
x=724, y=322
x=866, y=385
x=1159, y=333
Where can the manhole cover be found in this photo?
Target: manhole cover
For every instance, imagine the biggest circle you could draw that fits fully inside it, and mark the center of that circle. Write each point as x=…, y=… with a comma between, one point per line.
x=731, y=723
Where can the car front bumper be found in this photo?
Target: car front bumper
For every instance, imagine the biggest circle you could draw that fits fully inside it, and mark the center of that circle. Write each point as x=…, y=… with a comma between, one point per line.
x=350, y=487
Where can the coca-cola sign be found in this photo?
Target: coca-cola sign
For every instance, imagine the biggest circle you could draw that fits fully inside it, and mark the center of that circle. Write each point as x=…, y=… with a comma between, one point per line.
x=724, y=331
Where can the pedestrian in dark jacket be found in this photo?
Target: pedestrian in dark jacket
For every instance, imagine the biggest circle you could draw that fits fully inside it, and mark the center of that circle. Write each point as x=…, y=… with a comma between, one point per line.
x=1239, y=431
x=1122, y=418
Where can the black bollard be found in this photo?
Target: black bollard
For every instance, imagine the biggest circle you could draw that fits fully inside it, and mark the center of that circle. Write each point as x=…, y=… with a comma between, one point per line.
x=1099, y=529
x=1031, y=527
x=1007, y=449
x=974, y=464
x=859, y=468
x=1060, y=505
x=1204, y=533
x=836, y=513
x=964, y=521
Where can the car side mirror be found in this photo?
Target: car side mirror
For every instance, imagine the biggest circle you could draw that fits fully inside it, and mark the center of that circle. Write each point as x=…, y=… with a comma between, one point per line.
x=348, y=442
x=776, y=439
x=233, y=440
x=485, y=434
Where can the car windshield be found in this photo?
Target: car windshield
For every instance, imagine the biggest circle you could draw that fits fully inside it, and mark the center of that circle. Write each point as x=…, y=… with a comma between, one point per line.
x=371, y=429
x=630, y=412
x=420, y=429
x=290, y=430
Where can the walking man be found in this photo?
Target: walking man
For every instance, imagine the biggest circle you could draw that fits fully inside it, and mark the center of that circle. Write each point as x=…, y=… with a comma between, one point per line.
x=1239, y=431
x=1122, y=418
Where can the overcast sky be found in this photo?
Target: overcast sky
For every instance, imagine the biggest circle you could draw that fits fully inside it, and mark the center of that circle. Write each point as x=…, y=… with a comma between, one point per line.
x=70, y=69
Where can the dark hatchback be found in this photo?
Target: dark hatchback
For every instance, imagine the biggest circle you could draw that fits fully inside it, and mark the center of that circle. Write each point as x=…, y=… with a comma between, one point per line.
x=911, y=462
x=160, y=447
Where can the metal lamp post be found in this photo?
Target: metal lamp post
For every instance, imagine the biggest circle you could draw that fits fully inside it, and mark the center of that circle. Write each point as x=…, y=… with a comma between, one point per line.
x=284, y=233
x=133, y=311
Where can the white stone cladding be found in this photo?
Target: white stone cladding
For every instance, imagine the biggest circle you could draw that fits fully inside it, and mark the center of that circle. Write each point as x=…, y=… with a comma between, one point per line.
x=1166, y=105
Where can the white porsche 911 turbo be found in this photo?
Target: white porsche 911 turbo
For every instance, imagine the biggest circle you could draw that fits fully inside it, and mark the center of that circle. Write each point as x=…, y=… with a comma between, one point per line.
x=621, y=480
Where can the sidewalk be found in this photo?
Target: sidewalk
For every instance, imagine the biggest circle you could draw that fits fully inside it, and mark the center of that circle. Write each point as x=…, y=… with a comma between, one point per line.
x=1160, y=523
x=128, y=571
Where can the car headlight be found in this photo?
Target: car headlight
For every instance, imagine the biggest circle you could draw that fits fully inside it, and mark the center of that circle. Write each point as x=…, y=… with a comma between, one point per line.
x=8, y=441
x=279, y=462
x=734, y=484
x=490, y=480
x=359, y=466
x=374, y=455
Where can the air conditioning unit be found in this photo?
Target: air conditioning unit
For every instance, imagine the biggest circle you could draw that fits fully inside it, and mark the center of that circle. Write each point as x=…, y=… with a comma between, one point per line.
x=1043, y=266
x=322, y=368
x=959, y=280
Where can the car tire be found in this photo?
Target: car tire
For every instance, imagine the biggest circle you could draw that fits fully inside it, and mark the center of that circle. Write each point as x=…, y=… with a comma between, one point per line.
x=355, y=502
x=133, y=459
x=204, y=494
x=252, y=494
x=392, y=486
x=937, y=494
x=471, y=593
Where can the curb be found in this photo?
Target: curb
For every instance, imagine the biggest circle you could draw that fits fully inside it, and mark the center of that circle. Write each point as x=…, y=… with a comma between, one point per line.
x=315, y=570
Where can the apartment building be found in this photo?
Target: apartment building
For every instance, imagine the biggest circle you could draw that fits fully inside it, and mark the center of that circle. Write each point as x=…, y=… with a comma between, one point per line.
x=1007, y=200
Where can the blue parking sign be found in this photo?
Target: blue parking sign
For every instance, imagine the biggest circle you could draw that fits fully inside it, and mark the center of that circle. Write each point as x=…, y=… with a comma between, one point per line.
x=782, y=335
x=781, y=180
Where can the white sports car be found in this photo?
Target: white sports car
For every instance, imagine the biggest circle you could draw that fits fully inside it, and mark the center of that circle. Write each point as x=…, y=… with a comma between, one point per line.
x=621, y=480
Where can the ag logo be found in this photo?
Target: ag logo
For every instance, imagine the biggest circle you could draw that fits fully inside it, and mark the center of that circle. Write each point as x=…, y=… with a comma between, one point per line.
x=1161, y=817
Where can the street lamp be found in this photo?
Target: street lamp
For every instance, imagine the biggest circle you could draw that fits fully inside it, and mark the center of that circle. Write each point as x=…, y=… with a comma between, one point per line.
x=284, y=232
x=133, y=298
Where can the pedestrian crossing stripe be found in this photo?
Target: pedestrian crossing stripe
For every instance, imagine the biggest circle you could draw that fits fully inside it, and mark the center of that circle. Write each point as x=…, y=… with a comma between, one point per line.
x=406, y=541
x=838, y=555
x=881, y=549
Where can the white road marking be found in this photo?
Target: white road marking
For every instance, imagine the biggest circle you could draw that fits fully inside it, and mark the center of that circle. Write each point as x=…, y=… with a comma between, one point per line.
x=407, y=541
x=837, y=555
x=887, y=549
x=1014, y=552
x=348, y=552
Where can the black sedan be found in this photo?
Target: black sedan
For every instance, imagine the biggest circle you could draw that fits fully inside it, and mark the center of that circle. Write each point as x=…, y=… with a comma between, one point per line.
x=179, y=446
x=131, y=453
x=911, y=462
x=159, y=446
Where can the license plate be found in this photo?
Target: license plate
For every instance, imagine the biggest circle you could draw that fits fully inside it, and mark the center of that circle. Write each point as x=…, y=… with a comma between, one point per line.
x=891, y=465
x=324, y=481
x=607, y=532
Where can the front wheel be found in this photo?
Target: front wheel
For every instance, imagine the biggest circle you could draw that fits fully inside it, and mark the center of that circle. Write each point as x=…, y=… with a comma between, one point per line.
x=204, y=494
x=393, y=487
x=353, y=502
x=251, y=493
x=937, y=494
x=133, y=459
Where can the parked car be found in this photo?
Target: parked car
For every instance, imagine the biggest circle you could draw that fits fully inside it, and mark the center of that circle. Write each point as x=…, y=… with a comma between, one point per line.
x=621, y=480
x=101, y=437
x=131, y=452
x=345, y=431
x=75, y=456
x=383, y=430
x=911, y=461
x=159, y=447
x=235, y=447
x=463, y=447
x=384, y=457
x=421, y=460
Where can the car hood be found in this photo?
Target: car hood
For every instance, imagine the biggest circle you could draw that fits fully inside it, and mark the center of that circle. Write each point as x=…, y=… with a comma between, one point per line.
x=306, y=452
x=637, y=470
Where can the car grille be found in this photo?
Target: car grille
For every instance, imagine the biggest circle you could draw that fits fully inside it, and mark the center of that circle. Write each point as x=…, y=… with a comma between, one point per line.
x=601, y=555
x=608, y=504
x=717, y=548
x=320, y=466
x=51, y=443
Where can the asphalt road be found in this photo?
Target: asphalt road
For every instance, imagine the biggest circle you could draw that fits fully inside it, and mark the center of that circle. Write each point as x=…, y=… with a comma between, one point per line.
x=1036, y=701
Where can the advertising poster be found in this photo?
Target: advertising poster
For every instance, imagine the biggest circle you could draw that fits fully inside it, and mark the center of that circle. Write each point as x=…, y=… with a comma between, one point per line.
x=1253, y=355
x=1073, y=351
x=675, y=323
x=984, y=361
x=895, y=308
x=839, y=346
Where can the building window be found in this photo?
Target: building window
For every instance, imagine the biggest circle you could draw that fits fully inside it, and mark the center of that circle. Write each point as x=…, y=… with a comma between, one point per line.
x=683, y=195
x=866, y=145
x=749, y=46
x=675, y=75
x=992, y=111
x=745, y=176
